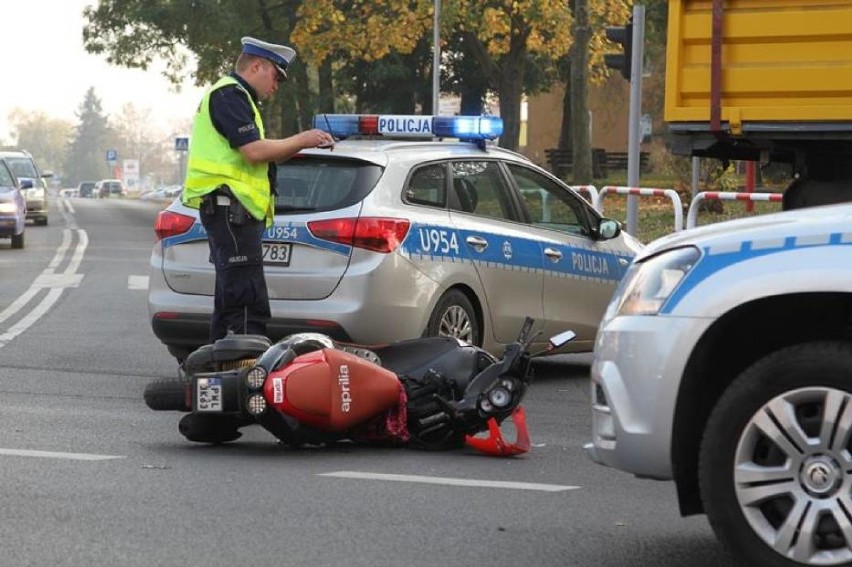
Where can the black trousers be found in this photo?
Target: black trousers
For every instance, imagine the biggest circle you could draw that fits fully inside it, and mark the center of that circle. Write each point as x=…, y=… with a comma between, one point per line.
x=241, y=300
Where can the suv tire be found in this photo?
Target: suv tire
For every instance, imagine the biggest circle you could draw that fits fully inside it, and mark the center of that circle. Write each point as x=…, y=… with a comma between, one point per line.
x=18, y=240
x=774, y=468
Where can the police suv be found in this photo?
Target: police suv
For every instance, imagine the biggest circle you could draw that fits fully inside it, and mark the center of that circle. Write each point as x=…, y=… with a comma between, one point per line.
x=396, y=233
x=724, y=362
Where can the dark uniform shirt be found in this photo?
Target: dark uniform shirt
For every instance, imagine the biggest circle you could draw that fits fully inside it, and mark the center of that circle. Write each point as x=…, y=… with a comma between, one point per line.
x=232, y=117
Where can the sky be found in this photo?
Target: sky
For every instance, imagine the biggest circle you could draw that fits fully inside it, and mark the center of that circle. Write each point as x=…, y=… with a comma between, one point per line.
x=46, y=69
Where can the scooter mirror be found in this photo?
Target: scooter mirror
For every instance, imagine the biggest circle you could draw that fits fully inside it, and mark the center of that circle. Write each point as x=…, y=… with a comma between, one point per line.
x=562, y=338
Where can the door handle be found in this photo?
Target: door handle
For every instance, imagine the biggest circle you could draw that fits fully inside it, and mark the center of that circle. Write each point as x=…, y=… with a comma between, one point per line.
x=552, y=253
x=479, y=243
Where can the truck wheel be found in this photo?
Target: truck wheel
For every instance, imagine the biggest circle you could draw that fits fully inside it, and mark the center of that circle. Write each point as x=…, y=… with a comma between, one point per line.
x=454, y=316
x=167, y=394
x=775, y=467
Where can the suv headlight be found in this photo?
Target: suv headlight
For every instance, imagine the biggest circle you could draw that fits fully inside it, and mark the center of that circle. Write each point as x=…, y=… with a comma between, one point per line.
x=647, y=285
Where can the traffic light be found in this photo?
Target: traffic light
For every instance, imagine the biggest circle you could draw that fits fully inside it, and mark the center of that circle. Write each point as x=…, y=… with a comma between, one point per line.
x=622, y=35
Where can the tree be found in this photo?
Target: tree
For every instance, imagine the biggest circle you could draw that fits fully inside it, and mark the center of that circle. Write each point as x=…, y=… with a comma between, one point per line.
x=135, y=33
x=87, y=151
x=44, y=137
x=582, y=67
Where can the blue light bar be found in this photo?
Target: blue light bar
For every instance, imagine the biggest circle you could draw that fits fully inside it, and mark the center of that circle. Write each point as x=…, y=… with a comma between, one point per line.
x=466, y=128
x=338, y=125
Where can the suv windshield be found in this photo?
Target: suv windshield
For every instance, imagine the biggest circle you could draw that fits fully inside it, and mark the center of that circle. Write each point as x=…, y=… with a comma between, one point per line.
x=22, y=167
x=308, y=183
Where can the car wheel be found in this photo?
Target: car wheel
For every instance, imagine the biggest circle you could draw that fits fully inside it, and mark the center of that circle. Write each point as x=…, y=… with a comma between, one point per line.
x=454, y=316
x=41, y=221
x=18, y=240
x=775, y=464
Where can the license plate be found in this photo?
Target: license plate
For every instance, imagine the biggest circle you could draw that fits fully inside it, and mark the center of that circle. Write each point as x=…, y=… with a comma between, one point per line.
x=208, y=394
x=277, y=253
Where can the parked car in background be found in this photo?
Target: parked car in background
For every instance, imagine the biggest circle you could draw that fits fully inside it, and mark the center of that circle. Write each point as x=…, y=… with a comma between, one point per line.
x=110, y=188
x=13, y=208
x=87, y=189
x=388, y=239
x=162, y=194
x=31, y=182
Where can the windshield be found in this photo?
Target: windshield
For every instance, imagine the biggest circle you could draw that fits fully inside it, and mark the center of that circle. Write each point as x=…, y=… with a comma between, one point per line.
x=22, y=167
x=308, y=183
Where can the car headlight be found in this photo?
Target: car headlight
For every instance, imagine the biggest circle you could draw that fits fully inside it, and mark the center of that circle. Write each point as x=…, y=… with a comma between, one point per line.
x=647, y=285
x=8, y=207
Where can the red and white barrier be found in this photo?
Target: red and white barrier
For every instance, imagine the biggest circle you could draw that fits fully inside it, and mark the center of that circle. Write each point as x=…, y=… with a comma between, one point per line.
x=642, y=192
x=590, y=190
x=692, y=215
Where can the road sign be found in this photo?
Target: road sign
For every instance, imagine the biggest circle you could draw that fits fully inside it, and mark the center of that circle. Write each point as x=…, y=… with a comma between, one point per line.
x=181, y=144
x=111, y=156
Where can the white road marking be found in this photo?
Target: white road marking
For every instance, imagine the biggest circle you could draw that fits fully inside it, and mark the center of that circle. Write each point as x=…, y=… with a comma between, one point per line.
x=55, y=455
x=55, y=283
x=137, y=282
x=451, y=481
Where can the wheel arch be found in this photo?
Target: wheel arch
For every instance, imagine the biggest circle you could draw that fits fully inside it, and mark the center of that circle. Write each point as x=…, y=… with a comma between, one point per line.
x=734, y=342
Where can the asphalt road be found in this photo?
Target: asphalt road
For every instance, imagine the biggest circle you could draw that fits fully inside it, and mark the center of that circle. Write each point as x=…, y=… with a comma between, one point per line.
x=89, y=476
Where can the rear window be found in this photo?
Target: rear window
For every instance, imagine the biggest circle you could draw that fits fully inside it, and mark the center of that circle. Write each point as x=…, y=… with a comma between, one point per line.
x=308, y=183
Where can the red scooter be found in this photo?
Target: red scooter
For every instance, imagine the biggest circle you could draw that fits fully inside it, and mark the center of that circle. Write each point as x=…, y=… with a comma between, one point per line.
x=433, y=393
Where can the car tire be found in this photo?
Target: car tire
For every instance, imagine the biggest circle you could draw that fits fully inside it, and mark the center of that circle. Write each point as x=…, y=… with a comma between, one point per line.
x=18, y=240
x=774, y=468
x=167, y=394
x=41, y=221
x=454, y=316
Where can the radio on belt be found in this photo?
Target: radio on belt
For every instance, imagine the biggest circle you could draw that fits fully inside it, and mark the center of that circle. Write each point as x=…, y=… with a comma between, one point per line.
x=465, y=128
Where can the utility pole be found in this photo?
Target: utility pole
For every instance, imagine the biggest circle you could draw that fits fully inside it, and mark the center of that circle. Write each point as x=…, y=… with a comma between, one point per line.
x=632, y=39
x=633, y=138
x=436, y=59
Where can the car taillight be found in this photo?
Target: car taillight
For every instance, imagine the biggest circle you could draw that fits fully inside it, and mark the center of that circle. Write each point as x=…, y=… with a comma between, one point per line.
x=372, y=233
x=170, y=224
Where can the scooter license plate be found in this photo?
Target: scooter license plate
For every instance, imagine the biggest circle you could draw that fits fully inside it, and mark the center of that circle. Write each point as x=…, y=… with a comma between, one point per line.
x=208, y=394
x=277, y=253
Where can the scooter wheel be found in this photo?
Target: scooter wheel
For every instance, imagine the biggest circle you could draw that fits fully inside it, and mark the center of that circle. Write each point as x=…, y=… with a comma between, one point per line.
x=166, y=394
x=213, y=429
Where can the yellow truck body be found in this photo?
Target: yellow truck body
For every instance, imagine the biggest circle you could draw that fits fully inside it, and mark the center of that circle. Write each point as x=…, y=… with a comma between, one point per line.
x=782, y=61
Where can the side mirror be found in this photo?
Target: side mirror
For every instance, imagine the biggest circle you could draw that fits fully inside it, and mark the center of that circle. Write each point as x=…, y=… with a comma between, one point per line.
x=562, y=338
x=608, y=229
x=26, y=182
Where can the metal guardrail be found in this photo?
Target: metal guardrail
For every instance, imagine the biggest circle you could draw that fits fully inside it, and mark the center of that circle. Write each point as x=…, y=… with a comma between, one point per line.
x=692, y=215
x=645, y=192
x=590, y=190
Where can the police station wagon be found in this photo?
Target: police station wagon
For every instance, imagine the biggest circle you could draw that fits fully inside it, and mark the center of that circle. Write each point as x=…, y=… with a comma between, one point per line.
x=396, y=233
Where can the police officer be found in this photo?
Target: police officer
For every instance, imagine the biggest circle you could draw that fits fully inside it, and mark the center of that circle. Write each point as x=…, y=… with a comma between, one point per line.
x=231, y=180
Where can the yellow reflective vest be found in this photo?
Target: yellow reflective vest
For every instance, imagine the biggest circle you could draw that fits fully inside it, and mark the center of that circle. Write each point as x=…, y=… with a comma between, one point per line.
x=213, y=162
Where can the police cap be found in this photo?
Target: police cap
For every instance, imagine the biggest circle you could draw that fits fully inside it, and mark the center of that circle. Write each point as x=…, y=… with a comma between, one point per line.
x=279, y=55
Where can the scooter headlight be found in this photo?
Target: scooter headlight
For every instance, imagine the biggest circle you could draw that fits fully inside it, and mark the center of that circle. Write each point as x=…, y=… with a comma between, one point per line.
x=500, y=397
x=256, y=404
x=255, y=378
